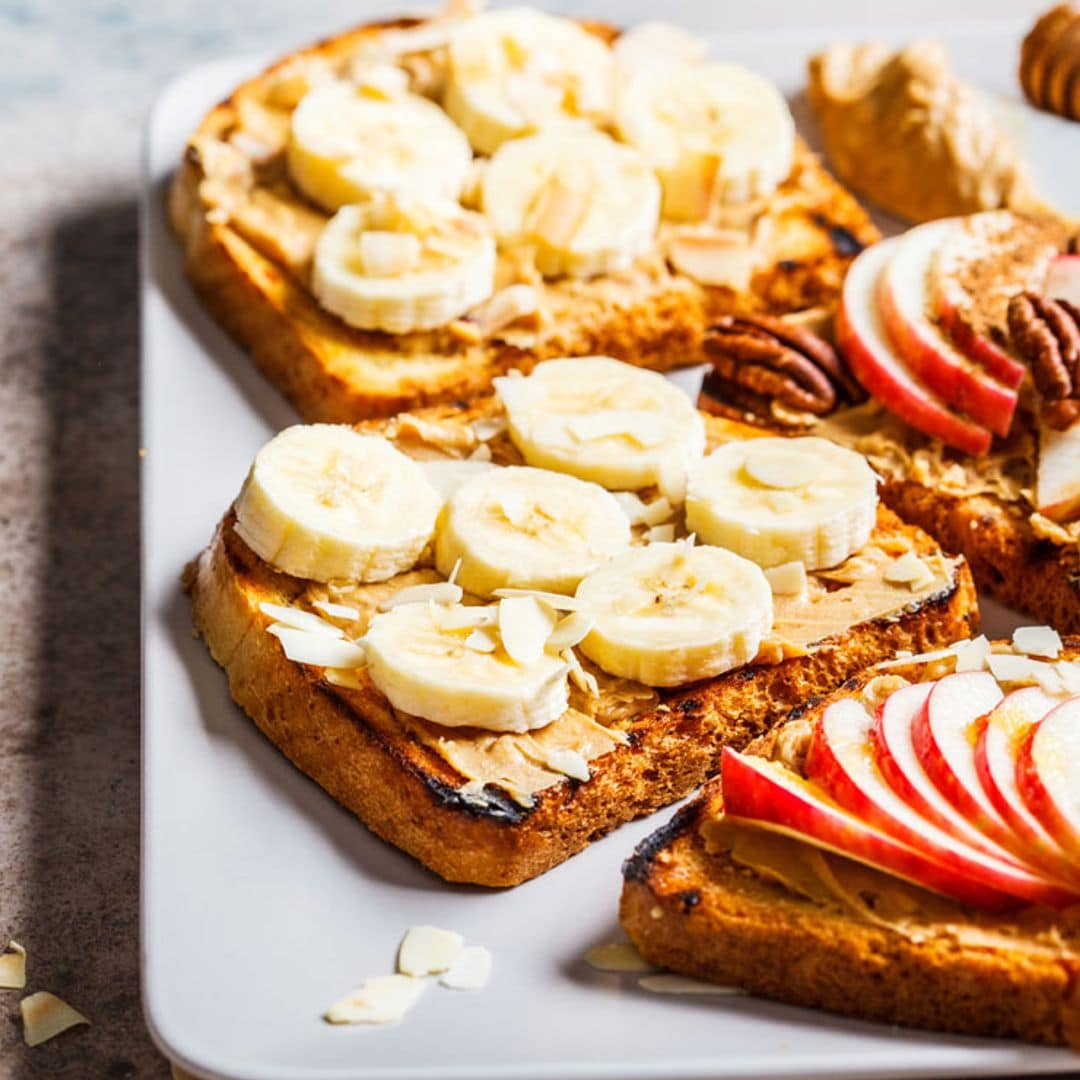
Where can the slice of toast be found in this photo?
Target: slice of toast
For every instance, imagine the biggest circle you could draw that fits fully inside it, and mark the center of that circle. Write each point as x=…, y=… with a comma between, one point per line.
x=248, y=237
x=403, y=777
x=690, y=906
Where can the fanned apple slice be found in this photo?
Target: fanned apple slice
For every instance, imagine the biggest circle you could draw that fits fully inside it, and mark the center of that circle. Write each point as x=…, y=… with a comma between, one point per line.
x=841, y=761
x=894, y=753
x=903, y=300
x=996, y=753
x=763, y=793
x=1048, y=774
x=861, y=337
x=1057, y=481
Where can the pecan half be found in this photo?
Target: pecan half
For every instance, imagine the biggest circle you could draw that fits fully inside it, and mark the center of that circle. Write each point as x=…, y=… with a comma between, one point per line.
x=1046, y=334
x=765, y=359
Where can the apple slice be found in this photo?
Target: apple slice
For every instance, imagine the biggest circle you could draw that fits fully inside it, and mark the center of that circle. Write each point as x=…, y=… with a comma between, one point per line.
x=894, y=754
x=1048, y=774
x=904, y=305
x=1057, y=478
x=841, y=761
x=1063, y=280
x=996, y=752
x=765, y=794
x=880, y=368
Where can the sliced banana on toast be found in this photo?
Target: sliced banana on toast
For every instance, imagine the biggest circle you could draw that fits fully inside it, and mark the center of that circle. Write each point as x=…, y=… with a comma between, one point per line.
x=587, y=204
x=403, y=263
x=348, y=143
x=326, y=503
x=715, y=133
x=524, y=528
x=602, y=420
x=518, y=70
x=670, y=613
x=777, y=500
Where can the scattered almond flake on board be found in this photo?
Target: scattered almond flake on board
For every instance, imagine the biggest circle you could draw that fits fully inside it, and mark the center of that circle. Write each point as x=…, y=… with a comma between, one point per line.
x=343, y=677
x=570, y=631
x=524, y=627
x=481, y=641
x=681, y=984
x=471, y=970
x=319, y=649
x=300, y=620
x=45, y=1016
x=661, y=534
x=384, y=999
x=555, y=601
x=788, y=579
x=972, y=655
x=427, y=950
x=1042, y=641
x=13, y=967
x=437, y=592
x=336, y=611
x=617, y=957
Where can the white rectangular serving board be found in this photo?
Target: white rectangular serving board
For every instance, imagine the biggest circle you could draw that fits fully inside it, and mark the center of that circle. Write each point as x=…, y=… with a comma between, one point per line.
x=263, y=901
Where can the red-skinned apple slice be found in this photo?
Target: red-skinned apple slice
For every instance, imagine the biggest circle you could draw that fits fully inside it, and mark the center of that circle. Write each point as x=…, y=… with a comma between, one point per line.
x=894, y=754
x=861, y=337
x=1063, y=281
x=1048, y=774
x=841, y=761
x=904, y=304
x=765, y=794
x=1003, y=733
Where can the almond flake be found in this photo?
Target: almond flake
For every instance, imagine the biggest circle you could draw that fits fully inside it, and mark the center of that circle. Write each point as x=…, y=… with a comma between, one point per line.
x=509, y=305
x=489, y=427
x=384, y=999
x=319, y=649
x=427, y=950
x=300, y=620
x=722, y=258
x=568, y=762
x=1007, y=668
x=904, y=658
x=584, y=680
x=45, y=1016
x=657, y=511
x=481, y=453
x=788, y=579
x=481, y=641
x=1069, y=673
x=555, y=601
x=524, y=627
x=13, y=967
x=570, y=631
x=661, y=534
x=908, y=570
x=438, y=592
x=337, y=611
x=972, y=655
x=1037, y=641
x=617, y=957
x=454, y=571
x=680, y=984
x=632, y=506
x=343, y=677
x=514, y=508
x=470, y=971
x=465, y=617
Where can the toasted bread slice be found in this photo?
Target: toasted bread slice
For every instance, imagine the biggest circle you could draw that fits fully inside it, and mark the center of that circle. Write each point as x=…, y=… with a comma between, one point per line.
x=398, y=774
x=692, y=907
x=248, y=237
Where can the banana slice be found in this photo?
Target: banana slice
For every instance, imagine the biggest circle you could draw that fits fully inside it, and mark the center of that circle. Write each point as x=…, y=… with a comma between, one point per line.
x=427, y=666
x=669, y=614
x=517, y=71
x=528, y=528
x=326, y=503
x=599, y=419
x=784, y=500
x=347, y=143
x=587, y=204
x=716, y=134
x=403, y=263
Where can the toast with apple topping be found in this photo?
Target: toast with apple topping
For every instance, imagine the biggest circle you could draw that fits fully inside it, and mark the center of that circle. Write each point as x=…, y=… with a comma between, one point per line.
x=366, y=221
x=488, y=632
x=904, y=850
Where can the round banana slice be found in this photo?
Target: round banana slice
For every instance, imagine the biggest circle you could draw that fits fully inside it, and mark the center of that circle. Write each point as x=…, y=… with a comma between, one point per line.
x=587, y=204
x=599, y=419
x=716, y=134
x=403, y=263
x=784, y=500
x=668, y=614
x=326, y=503
x=525, y=528
x=426, y=662
x=347, y=144
x=517, y=71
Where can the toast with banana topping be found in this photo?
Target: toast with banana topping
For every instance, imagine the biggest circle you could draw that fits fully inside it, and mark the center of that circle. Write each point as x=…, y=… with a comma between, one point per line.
x=395, y=216
x=490, y=632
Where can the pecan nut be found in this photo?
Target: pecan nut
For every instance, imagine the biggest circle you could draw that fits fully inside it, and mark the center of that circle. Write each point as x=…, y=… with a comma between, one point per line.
x=1046, y=334
x=773, y=360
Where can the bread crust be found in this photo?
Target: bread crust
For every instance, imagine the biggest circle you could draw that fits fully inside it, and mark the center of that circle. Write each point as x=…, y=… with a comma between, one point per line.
x=701, y=914
x=334, y=373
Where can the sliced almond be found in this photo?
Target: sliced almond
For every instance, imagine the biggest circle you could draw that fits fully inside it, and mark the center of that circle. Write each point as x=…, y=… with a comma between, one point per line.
x=337, y=611
x=908, y=570
x=13, y=967
x=300, y=620
x=45, y=1016
x=632, y=506
x=657, y=511
x=343, y=677
x=555, y=601
x=568, y=762
x=465, y=618
x=524, y=627
x=617, y=957
x=471, y=970
x=513, y=304
x=584, y=680
x=721, y=259
x=303, y=647
x=681, y=984
x=481, y=641
x=570, y=631
x=788, y=579
x=1042, y=641
x=427, y=950
x=515, y=507
x=437, y=592
x=661, y=534
x=384, y=999
x=488, y=428
x=481, y=453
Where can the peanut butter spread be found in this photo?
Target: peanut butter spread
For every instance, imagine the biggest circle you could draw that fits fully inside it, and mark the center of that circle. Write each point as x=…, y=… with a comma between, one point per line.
x=904, y=131
x=523, y=764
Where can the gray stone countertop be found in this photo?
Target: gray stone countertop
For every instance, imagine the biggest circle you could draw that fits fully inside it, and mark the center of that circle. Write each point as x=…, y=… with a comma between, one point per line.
x=76, y=81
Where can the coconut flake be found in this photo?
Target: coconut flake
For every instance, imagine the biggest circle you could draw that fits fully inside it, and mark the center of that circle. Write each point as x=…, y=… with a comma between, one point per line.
x=1042, y=641
x=319, y=649
x=45, y=1016
x=384, y=999
x=470, y=971
x=337, y=611
x=524, y=627
x=13, y=967
x=300, y=620
x=438, y=592
x=427, y=950
x=972, y=655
